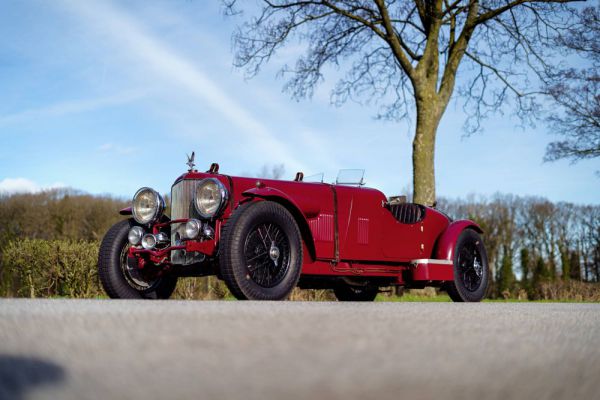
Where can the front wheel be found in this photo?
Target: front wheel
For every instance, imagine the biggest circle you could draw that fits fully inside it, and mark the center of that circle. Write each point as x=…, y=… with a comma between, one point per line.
x=123, y=281
x=261, y=252
x=471, y=271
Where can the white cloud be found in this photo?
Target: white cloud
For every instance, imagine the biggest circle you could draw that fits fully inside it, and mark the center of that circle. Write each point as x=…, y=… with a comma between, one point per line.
x=24, y=185
x=18, y=185
x=150, y=52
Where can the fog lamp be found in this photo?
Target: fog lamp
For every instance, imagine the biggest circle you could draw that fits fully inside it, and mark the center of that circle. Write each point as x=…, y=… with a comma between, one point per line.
x=208, y=231
x=135, y=235
x=162, y=237
x=192, y=228
x=149, y=241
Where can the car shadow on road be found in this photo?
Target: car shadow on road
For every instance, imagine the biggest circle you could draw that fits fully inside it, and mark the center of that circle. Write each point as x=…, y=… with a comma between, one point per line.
x=18, y=375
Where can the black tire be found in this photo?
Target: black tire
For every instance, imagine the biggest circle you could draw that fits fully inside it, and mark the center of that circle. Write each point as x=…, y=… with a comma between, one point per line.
x=115, y=277
x=247, y=259
x=345, y=292
x=471, y=270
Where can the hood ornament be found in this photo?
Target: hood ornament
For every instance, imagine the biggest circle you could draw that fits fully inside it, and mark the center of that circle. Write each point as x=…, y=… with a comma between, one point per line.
x=190, y=162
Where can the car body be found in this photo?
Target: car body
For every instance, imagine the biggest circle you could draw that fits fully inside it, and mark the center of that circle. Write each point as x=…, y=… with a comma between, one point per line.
x=309, y=234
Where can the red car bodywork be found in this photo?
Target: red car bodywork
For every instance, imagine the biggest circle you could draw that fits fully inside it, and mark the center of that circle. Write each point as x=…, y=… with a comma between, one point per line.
x=346, y=231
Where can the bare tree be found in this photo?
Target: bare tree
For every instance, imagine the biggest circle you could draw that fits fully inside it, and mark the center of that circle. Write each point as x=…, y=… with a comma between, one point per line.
x=405, y=56
x=576, y=92
x=276, y=171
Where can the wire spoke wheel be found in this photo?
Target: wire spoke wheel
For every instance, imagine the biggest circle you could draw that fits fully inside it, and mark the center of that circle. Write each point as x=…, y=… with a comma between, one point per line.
x=122, y=280
x=261, y=252
x=469, y=263
x=267, y=254
x=139, y=279
x=471, y=271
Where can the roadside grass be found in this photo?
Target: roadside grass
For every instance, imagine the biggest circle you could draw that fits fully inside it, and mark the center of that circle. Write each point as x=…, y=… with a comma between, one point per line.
x=440, y=298
x=57, y=297
x=324, y=295
x=407, y=297
x=538, y=301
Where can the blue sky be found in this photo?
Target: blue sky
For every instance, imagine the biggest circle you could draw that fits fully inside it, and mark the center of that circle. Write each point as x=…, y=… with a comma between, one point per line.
x=109, y=96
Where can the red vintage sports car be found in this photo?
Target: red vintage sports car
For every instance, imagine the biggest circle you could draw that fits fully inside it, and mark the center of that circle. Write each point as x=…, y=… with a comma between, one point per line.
x=264, y=237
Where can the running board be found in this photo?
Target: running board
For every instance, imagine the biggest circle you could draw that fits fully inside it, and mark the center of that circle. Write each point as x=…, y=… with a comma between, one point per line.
x=426, y=269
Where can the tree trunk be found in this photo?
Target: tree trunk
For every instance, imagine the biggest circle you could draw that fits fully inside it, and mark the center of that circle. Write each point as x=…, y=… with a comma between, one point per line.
x=423, y=155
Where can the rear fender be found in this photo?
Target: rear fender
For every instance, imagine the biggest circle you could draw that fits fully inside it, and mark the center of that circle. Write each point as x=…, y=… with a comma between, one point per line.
x=444, y=249
x=299, y=213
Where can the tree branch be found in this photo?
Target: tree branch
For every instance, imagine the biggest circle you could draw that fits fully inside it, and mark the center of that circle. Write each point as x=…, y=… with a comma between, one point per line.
x=394, y=40
x=496, y=12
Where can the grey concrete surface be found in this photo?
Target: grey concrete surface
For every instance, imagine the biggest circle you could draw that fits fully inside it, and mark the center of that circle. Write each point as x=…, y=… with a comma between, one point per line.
x=70, y=349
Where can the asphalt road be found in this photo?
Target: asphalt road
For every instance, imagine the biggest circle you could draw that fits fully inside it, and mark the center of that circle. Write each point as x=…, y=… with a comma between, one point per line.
x=70, y=349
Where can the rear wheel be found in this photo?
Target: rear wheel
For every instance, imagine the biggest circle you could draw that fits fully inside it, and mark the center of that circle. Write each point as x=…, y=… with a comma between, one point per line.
x=124, y=281
x=471, y=272
x=261, y=252
x=345, y=292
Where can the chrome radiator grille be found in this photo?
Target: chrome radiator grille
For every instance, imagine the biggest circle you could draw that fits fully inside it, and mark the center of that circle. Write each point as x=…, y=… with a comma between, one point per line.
x=182, y=196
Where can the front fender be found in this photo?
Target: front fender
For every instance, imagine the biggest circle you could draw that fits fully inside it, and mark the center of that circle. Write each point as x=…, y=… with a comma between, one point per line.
x=126, y=211
x=444, y=249
x=307, y=205
x=303, y=208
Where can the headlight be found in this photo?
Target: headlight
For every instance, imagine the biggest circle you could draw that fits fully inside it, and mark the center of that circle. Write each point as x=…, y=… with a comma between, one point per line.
x=148, y=206
x=211, y=196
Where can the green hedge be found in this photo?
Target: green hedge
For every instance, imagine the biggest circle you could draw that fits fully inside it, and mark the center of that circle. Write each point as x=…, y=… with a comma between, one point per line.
x=67, y=268
x=46, y=268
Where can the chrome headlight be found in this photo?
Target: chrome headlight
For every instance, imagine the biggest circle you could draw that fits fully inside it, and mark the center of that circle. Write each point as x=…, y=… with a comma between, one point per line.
x=211, y=196
x=147, y=206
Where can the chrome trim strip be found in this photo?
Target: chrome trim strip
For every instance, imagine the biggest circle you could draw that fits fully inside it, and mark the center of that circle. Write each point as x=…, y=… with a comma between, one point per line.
x=431, y=261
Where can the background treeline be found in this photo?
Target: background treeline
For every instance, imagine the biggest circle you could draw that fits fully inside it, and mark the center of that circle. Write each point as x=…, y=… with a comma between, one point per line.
x=537, y=249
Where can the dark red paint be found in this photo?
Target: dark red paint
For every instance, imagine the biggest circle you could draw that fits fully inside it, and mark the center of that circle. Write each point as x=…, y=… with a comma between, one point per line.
x=347, y=231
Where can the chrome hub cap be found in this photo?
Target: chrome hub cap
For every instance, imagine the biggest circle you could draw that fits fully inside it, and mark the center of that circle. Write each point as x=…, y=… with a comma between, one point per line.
x=477, y=267
x=274, y=253
x=134, y=276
